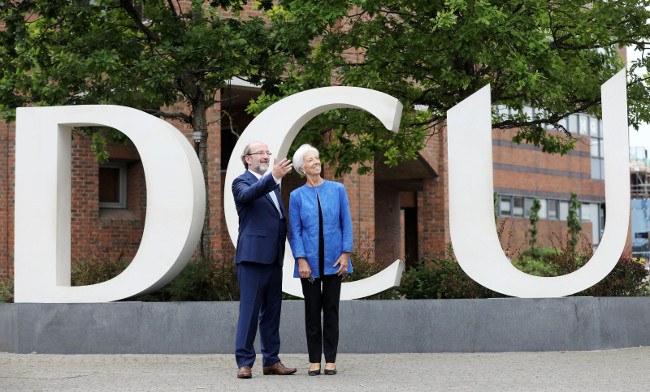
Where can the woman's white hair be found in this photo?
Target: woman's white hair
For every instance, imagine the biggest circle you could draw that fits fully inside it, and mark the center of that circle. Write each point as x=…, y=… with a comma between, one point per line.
x=299, y=157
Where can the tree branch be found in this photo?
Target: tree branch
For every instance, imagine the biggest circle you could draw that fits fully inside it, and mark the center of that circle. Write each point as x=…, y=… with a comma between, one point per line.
x=169, y=115
x=127, y=5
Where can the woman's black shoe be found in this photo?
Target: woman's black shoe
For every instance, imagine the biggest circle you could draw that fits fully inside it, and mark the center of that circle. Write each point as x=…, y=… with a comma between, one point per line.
x=330, y=372
x=315, y=372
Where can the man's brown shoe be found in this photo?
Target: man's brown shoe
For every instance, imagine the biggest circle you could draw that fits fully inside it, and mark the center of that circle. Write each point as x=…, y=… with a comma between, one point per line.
x=278, y=369
x=244, y=372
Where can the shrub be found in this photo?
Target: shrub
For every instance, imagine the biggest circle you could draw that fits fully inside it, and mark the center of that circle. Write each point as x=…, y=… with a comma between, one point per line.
x=536, y=262
x=534, y=218
x=628, y=278
x=199, y=281
x=87, y=272
x=6, y=290
x=441, y=278
x=364, y=268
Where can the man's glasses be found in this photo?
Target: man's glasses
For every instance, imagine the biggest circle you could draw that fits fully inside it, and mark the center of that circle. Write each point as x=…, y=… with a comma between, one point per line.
x=260, y=153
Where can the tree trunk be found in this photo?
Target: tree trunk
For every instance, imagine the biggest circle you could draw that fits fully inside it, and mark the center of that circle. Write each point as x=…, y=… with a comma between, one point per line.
x=199, y=124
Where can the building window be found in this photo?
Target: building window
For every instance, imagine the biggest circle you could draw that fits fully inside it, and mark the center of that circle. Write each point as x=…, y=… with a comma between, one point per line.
x=596, y=149
x=584, y=125
x=505, y=205
x=564, y=210
x=573, y=123
x=518, y=206
x=593, y=126
x=528, y=204
x=553, y=209
x=597, y=164
x=585, y=211
x=112, y=185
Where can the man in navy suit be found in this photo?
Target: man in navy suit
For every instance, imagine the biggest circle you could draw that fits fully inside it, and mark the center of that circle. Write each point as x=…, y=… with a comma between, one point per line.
x=259, y=257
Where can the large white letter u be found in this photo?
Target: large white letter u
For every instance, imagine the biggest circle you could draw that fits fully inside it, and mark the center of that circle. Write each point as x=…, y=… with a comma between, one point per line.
x=471, y=215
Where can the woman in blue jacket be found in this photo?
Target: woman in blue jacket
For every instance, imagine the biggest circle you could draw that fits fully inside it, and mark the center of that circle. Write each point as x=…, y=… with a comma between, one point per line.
x=321, y=241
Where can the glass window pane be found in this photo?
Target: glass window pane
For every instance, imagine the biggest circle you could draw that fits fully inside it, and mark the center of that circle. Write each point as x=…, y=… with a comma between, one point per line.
x=552, y=209
x=109, y=185
x=505, y=206
x=601, y=150
x=593, y=126
x=596, y=169
x=564, y=210
x=528, y=204
x=585, y=211
x=518, y=206
x=594, y=147
x=112, y=185
x=573, y=123
x=563, y=122
x=584, y=125
x=602, y=168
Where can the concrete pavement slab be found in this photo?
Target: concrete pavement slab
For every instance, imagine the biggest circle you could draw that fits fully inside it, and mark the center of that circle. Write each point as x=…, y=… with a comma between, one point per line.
x=606, y=370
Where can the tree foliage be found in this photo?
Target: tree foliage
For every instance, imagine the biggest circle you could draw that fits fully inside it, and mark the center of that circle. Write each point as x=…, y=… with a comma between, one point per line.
x=144, y=54
x=534, y=218
x=550, y=55
x=573, y=222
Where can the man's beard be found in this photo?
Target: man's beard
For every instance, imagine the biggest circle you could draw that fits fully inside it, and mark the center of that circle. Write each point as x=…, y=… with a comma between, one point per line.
x=261, y=167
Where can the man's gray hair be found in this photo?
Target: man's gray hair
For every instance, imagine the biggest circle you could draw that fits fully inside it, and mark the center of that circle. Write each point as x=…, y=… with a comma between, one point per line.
x=247, y=150
x=299, y=157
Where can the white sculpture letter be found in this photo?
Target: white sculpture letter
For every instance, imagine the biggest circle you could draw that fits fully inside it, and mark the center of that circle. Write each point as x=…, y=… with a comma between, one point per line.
x=471, y=214
x=175, y=203
x=277, y=126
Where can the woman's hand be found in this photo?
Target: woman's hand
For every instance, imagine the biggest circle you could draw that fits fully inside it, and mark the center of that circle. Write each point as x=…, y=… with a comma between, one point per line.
x=342, y=262
x=303, y=268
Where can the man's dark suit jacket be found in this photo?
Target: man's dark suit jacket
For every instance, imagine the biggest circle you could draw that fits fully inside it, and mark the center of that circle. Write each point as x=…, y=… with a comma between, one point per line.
x=262, y=232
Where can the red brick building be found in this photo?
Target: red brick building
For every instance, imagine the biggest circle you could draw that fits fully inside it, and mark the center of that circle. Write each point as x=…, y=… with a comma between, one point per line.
x=397, y=212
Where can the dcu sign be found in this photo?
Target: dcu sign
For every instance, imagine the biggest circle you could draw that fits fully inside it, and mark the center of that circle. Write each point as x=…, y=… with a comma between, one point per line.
x=176, y=195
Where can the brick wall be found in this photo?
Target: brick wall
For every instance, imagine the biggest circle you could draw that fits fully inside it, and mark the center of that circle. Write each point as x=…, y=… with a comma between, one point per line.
x=7, y=133
x=105, y=234
x=527, y=168
x=388, y=242
x=514, y=237
x=433, y=215
x=361, y=194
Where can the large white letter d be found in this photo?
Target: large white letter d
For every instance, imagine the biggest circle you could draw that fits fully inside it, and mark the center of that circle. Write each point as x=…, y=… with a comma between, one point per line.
x=175, y=203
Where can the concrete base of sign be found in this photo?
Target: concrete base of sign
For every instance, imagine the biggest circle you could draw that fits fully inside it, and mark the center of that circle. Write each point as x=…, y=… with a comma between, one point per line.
x=464, y=325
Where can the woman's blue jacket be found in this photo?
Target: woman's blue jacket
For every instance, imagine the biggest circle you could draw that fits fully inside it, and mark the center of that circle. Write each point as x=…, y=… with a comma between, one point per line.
x=303, y=225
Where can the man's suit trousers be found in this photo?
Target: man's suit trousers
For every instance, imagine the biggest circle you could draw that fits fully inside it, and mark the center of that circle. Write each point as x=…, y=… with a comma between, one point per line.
x=260, y=290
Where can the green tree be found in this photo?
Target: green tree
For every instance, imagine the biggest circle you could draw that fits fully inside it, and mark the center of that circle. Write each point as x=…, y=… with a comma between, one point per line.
x=534, y=218
x=144, y=54
x=549, y=55
x=573, y=223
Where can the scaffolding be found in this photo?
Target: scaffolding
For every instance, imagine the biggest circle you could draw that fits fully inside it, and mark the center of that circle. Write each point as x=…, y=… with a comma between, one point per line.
x=639, y=173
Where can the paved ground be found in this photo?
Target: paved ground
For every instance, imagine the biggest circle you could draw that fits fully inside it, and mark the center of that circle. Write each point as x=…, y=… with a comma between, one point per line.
x=609, y=370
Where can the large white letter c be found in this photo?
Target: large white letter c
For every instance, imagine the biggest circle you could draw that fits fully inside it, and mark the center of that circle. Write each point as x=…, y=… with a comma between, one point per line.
x=277, y=126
